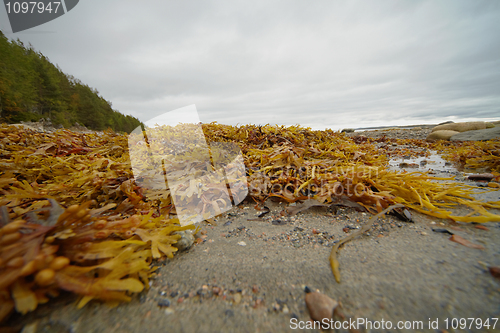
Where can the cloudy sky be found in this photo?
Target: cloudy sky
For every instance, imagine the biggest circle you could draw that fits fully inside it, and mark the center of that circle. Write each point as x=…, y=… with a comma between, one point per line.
x=322, y=64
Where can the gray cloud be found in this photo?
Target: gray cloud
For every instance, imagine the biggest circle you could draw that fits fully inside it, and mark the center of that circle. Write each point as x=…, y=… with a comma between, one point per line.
x=319, y=64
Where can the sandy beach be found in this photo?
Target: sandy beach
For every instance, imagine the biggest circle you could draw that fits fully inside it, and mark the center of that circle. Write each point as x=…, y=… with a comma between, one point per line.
x=247, y=273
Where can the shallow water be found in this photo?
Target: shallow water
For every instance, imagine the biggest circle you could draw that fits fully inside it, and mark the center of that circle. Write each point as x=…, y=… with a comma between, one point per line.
x=434, y=162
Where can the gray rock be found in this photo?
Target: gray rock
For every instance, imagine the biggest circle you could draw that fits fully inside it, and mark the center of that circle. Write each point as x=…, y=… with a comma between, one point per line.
x=186, y=241
x=478, y=135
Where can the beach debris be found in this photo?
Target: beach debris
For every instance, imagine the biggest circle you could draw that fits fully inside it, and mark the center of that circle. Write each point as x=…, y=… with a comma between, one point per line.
x=344, y=201
x=481, y=176
x=320, y=306
x=408, y=165
x=164, y=303
x=460, y=240
x=293, y=210
x=442, y=231
x=334, y=263
x=494, y=271
x=242, y=243
x=482, y=227
x=266, y=211
x=227, y=223
x=402, y=213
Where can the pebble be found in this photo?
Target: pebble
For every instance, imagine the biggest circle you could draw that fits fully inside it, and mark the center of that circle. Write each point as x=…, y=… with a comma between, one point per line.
x=216, y=290
x=320, y=306
x=186, y=241
x=481, y=176
x=164, y=302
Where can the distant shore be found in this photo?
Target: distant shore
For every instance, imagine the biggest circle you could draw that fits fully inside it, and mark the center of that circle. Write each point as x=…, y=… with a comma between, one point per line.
x=374, y=128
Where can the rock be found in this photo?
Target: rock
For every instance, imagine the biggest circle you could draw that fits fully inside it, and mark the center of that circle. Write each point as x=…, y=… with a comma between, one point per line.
x=186, y=241
x=237, y=298
x=479, y=135
x=464, y=127
x=164, y=302
x=445, y=122
x=495, y=271
x=481, y=176
x=320, y=306
x=347, y=130
x=441, y=135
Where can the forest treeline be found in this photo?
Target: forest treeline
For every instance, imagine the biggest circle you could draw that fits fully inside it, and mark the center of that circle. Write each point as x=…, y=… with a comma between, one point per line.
x=31, y=88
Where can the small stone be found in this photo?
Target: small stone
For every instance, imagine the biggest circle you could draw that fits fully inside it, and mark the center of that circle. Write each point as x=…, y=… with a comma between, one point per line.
x=164, y=302
x=186, y=241
x=481, y=176
x=258, y=302
x=285, y=309
x=169, y=311
x=237, y=298
x=320, y=306
x=276, y=307
x=255, y=289
x=242, y=243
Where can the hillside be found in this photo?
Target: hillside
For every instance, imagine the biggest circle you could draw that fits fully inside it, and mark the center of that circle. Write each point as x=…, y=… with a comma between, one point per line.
x=31, y=88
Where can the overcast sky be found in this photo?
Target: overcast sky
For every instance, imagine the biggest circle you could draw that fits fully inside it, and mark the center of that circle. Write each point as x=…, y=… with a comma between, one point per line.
x=322, y=64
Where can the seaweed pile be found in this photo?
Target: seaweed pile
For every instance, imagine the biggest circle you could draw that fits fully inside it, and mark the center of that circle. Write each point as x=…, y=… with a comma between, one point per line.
x=74, y=217
x=475, y=155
